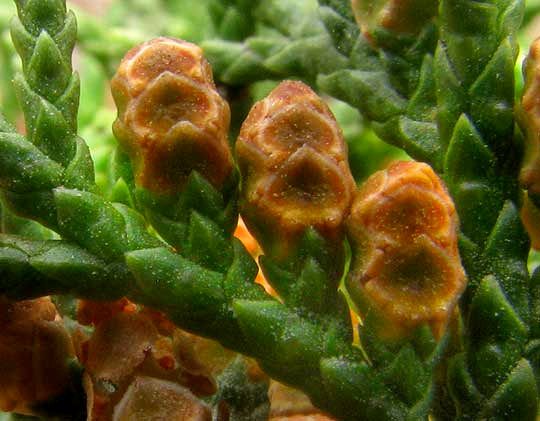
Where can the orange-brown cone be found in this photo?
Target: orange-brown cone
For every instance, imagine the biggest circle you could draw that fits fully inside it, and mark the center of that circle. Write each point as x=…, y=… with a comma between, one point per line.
x=35, y=350
x=294, y=167
x=171, y=119
x=406, y=268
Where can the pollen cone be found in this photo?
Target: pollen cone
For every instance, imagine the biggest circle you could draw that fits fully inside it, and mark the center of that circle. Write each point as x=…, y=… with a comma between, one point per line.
x=405, y=268
x=295, y=173
x=171, y=119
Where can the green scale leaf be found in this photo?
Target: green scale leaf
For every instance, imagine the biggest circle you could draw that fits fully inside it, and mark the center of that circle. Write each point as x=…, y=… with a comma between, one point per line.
x=470, y=35
x=193, y=297
x=507, y=250
x=369, y=91
x=193, y=220
x=105, y=229
x=290, y=41
x=234, y=19
x=492, y=95
x=451, y=97
x=415, y=137
x=14, y=267
x=33, y=268
x=469, y=171
x=46, y=126
x=39, y=15
x=344, y=32
x=235, y=64
x=517, y=398
x=406, y=376
x=307, y=280
x=47, y=72
x=47, y=89
x=463, y=390
x=389, y=79
x=207, y=244
x=354, y=382
x=288, y=340
x=423, y=103
x=24, y=168
x=468, y=157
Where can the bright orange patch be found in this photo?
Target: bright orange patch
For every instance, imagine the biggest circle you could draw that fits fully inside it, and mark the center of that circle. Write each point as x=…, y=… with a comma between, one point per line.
x=254, y=249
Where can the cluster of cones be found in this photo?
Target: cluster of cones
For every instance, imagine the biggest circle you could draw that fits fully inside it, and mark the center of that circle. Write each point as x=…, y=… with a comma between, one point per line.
x=137, y=364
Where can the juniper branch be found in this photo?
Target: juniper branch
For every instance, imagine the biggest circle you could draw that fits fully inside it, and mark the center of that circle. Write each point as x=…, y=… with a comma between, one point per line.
x=107, y=251
x=115, y=255
x=446, y=115
x=475, y=94
x=295, y=43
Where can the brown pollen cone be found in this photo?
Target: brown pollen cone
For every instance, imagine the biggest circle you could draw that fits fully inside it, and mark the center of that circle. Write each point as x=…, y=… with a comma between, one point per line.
x=288, y=404
x=138, y=365
x=295, y=173
x=530, y=216
x=171, y=119
x=405, y=267
x=35, y=350
x=530, y=119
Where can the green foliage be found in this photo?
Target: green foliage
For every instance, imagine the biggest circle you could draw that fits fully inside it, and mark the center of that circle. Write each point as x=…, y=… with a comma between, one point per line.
x=444, y=95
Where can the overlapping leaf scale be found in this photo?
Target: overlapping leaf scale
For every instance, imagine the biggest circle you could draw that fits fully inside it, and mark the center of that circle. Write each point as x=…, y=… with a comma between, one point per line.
x=495, y=373
x=466, y=92
x=288, y=41
x=33, y=268
x=398, y=384
x=479, y=164
x=474, y=71
x=48, y=92
x=391, y=84
x=233, y=19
